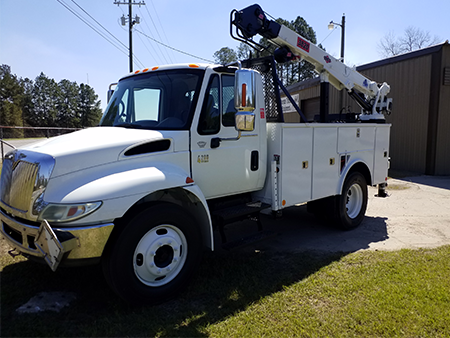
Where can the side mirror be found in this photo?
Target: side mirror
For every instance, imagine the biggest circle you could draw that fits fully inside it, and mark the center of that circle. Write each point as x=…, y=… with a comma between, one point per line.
x=109, y=95
x=244, y=90
x=244, y=121
x=110, y=91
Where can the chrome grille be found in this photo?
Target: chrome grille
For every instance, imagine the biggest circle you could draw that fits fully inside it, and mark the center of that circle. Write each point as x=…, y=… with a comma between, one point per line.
x=18, y=187
x=24, y=176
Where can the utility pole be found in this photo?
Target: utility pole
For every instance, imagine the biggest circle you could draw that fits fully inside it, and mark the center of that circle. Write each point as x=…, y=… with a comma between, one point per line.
x=131, y=23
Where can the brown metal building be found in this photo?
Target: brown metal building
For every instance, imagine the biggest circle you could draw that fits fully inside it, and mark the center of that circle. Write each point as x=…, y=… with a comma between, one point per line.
x=420, y=88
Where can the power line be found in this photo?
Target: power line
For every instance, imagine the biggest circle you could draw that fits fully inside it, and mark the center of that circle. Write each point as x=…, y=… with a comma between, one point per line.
x=327, y=36
x=156, y=29
x=131, y=23
x=159, y=48
x=151, y=54
x=89, y=25
x=156, y=56
x=172, y=48
x=95, y=30
x=98, y=23
x=162, y=27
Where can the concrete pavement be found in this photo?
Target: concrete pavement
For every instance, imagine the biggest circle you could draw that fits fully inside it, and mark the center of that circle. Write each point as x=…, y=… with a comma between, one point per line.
x=415, y=215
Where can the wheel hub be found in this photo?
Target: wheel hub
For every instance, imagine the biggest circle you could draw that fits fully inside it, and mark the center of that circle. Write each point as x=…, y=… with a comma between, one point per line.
x=354, y=200
x=164, y=256
x=160, y=255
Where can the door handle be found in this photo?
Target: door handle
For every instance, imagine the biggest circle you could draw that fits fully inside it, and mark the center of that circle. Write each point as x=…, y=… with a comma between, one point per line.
x=215, y=142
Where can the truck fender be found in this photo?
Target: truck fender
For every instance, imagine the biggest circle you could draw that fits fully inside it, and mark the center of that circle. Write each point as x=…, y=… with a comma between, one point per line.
x=355, y=165
x=203, y=215
x=191, y=199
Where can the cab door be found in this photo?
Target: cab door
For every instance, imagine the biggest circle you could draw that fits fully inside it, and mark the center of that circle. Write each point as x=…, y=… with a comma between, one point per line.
x=222, y=168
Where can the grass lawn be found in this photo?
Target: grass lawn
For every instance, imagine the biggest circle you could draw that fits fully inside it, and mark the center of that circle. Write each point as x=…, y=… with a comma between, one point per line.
x=366, y=294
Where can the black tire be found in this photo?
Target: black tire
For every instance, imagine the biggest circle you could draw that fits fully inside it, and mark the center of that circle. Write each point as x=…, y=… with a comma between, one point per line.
x=155, y=255
x=352, y=204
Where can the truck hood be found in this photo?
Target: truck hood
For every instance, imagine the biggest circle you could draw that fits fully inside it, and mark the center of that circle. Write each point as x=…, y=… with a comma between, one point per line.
x=96, y=146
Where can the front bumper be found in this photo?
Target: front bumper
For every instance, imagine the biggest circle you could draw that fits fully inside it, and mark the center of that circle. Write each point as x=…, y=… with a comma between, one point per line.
x=75, y=243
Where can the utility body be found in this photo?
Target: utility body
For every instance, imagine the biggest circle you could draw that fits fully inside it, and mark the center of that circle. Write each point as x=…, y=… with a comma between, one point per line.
x=182, y=150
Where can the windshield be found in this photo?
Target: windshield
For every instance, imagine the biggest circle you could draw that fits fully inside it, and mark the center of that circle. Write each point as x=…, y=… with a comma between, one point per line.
x=157, y=100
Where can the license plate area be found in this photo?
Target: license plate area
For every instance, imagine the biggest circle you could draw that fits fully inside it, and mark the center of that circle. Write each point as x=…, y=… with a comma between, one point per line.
x=48, y=244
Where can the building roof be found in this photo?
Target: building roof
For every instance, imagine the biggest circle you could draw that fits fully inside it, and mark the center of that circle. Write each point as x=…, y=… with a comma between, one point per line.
x=297, y=86
x=402, y=57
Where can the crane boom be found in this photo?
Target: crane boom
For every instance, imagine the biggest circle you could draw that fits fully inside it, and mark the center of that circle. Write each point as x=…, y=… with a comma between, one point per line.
x=372, y=97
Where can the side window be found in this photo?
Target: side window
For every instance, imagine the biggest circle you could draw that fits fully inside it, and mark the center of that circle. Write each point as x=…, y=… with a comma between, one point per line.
x=209, y=122
x=228, y=100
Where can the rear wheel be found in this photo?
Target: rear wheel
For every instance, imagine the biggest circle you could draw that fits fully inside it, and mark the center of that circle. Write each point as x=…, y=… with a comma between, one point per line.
x=155, y=255
x=352, y=204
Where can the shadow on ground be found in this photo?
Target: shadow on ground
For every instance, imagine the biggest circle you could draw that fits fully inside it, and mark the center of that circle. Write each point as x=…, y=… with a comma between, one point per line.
x=442, y=182
x=300, y=231
x=226, y=283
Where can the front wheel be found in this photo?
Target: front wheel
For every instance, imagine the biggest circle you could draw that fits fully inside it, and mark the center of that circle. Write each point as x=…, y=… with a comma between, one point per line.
x=352, y=204
x=155, y=255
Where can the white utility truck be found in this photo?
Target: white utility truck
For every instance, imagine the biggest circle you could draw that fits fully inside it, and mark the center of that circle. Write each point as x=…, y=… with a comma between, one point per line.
x=184, y=149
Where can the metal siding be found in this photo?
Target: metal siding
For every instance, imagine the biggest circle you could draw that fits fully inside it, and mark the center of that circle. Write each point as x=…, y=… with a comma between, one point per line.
x=410, y=83
x=443, y=137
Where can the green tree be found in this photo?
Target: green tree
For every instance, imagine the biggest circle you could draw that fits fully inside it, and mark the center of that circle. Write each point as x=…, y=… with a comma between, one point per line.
x=67, y=105
x=295, y=70
x=27, y=107
x=89, y=110
x=225, y=55
x=244, y=51
x=45, y=97
x=289, y=72
x=11, y=101
x=45, y=103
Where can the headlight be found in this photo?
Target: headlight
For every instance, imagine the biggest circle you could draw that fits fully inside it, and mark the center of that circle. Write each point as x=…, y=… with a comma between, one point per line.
x=67, y=212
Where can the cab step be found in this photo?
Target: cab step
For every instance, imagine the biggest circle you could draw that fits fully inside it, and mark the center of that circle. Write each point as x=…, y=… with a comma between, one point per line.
x=239, y=212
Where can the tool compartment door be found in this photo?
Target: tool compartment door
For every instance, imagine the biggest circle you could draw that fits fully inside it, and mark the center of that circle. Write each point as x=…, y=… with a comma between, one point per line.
x=296, y=164
x=326, y=159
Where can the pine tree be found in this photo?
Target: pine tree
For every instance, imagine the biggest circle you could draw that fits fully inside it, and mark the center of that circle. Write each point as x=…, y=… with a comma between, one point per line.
x=89, y=111
x=11, y=102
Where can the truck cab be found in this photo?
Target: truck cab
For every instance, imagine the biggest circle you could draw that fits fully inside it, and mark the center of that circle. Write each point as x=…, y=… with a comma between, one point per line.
x=196, y=104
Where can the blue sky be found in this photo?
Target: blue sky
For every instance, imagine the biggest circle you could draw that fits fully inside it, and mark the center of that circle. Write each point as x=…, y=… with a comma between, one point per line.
x=43, y=36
